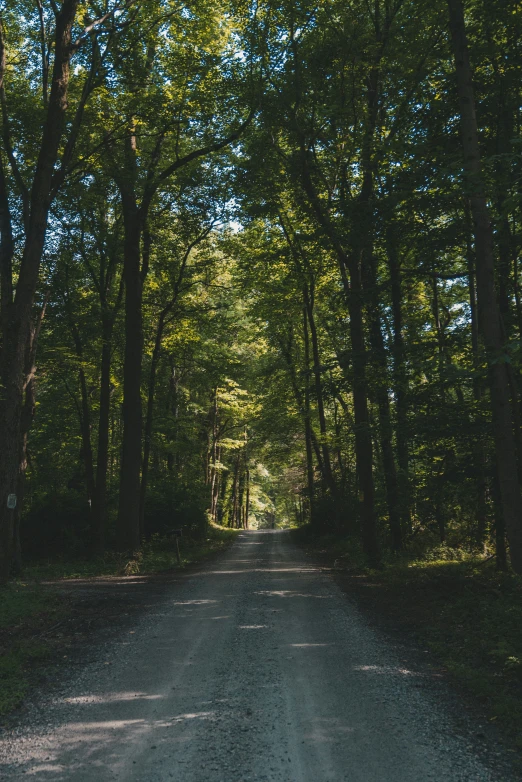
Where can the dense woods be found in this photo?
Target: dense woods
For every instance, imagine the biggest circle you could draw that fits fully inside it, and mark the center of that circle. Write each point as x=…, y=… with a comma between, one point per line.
x=260, y=264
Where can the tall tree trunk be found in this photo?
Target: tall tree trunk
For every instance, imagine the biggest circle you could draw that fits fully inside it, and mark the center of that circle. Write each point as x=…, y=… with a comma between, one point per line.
x=400, y=382
x=478, y=393
x=99, y=508
x=85, y=425
x=327, y=466
x=500, y=527
x=363, y=437
x=149, y=419
x=383, y=402
x=128, y=525
x=304, y=402
x=17, y=318
x=240, y=500
x=222, y=498
x=350, y=265
x=363, y=230
x=489, y=316
x=308, y=423
x=247, y=503
x=84, y=415
x=235, y=487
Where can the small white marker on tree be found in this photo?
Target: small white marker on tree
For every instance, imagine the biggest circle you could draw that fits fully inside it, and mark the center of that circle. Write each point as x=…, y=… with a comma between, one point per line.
x=11, y=501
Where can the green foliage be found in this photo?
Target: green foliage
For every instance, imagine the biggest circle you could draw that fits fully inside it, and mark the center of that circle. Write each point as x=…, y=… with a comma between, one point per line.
x=23, y=609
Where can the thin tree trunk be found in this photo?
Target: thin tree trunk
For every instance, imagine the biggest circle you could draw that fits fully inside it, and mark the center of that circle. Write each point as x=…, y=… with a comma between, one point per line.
x=85, y=426
x=363, y=230
x=400, y=383
x=99, y=509
x=327, y=466
x=235, y=487
x=26, y=423
x=128, y=524
x=349, y=265
x=149, y=419
x=489, y=316
x=480, y=454
x=304, y=403
x=308, y=425
x=500, y=527
x=383, y=403
x=222, y=499
x=247, y=504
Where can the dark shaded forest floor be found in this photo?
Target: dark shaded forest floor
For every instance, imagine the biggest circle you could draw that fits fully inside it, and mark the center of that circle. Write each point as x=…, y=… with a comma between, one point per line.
x=50, y=616
x=464, y=614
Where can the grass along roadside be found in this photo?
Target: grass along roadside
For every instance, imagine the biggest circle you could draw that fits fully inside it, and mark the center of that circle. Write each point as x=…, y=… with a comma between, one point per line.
x=461, y=609
x=156, y=556
x=33, y=613
x=26, y=613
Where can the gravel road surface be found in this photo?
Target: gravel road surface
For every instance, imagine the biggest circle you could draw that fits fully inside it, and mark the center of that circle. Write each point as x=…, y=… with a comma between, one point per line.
x=255, y=667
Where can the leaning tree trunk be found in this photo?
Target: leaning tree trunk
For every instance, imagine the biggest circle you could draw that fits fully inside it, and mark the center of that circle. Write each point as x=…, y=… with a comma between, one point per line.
x=489, y=316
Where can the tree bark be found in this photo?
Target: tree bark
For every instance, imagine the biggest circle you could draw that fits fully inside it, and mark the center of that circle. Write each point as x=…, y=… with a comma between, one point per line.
x=247, y=503
x=383, y=401
x=478, y=393
x=308, y=425
x=489, y=316
x=17, y=319
x=400, y=383
x=350, y=265
x=99, y=507
x=85, y=424
x=128, y=524
x=149, y=419
x=327, y=466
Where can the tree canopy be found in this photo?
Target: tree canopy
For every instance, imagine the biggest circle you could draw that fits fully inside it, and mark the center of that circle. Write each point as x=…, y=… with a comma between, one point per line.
x=260, y=265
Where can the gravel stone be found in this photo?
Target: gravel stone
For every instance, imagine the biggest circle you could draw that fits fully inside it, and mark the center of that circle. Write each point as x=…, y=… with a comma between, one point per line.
x=253, y=667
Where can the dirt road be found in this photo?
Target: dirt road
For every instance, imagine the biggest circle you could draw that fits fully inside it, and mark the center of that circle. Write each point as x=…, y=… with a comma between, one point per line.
x=256, y=667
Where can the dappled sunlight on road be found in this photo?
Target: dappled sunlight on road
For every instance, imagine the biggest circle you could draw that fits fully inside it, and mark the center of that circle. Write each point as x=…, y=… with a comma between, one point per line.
x=252, y=627
x=256, y=668
x=327, y=730
x=291, y=593
x=386, y=670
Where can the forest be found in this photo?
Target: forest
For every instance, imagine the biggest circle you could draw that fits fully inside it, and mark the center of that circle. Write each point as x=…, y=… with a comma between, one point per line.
x=260, y=266
x=261, y=302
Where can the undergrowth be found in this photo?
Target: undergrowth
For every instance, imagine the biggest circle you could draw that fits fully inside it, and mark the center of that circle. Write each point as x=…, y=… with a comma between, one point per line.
x=156, y=556
x=25, y=613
